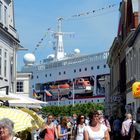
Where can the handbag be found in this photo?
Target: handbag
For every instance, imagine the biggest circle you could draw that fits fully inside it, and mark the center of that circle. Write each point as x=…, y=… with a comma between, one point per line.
x=42, y=133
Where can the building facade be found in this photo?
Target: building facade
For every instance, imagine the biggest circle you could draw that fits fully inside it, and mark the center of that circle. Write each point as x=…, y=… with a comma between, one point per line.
x=133, y=70
x=9, y=43
x=117, y=57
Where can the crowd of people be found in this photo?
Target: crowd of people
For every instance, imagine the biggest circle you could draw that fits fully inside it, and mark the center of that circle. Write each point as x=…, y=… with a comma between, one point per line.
x=96, y=126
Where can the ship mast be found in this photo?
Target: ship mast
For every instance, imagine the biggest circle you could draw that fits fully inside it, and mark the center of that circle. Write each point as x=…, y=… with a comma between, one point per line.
x=59, y=48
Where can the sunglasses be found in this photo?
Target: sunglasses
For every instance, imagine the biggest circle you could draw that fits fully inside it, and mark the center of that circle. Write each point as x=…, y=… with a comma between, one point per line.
x=82, y=118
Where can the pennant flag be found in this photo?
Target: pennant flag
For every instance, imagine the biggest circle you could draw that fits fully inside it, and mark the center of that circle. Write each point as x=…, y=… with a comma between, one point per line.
x=47, y=93
x=34, y=93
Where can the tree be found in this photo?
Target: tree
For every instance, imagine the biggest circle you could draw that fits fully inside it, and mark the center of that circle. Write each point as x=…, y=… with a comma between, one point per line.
x=69, y=110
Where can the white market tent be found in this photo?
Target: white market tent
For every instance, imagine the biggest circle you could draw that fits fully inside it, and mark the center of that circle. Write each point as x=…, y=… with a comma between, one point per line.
x=21, y=100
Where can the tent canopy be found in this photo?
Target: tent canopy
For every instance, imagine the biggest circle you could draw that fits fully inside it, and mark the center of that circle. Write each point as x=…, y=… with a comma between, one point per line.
x=22, y=101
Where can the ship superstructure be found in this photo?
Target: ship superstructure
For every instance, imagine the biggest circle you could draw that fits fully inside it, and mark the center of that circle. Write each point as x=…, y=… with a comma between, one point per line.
x=74, y=78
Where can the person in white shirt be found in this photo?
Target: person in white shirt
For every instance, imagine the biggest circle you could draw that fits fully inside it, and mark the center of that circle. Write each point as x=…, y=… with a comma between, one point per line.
x=126, y=126
x=96, y=130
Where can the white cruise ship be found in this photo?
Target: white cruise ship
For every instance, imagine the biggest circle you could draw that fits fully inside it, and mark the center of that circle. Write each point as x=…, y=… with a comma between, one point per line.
x=68, y=79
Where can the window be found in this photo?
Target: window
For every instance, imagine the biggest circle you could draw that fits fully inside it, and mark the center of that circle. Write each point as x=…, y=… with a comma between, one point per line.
x=104, y=66
x=85, y=69
x=98, y=67
x=91, y=68
x=46, y=75
x=37, y=77
x=64, y=72
x=5, y=16
x=59, y=73
x=50, y=74
x=79, y=70
x=5, y=64
x=74, y=70
x=0, y=65
x=0, y=11
x=0, y=61
x=19, y=86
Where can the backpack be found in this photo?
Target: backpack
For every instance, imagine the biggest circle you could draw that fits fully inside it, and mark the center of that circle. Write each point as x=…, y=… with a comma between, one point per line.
x=135, y=128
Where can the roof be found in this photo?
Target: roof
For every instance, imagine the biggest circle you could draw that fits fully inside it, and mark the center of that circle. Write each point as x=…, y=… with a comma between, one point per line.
x=132, y=40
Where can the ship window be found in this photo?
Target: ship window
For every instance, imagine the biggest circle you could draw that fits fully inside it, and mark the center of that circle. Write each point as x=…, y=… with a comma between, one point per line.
x=64, y=72
x=32, y=86
x=46, y=75
x=85, y=69
x=74, y=101
x=98, y=67
x=74, y=70
x=79, y=70
x=50, y=74
x=104, y=66
x=37, y=77
x=79, y=101
x=91, y=68
x=97, y=100
x=59, y=73
x=69, y=102
x=92, y=100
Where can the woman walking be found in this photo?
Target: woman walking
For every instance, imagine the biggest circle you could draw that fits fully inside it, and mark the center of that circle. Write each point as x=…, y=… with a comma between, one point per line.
x=95, y=130
x=50, y=129
x=63, y=131
x=79, y=132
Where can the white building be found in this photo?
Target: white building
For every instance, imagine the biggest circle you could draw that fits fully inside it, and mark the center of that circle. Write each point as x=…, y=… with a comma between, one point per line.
x=23, y=83
x=9, y=43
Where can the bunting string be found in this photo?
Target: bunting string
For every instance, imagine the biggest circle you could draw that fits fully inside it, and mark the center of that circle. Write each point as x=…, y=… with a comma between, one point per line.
x=92, y=12
x=84, y=15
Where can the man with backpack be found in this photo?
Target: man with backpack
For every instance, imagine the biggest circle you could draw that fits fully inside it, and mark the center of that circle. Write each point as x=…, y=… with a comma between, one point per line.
x=126, y=126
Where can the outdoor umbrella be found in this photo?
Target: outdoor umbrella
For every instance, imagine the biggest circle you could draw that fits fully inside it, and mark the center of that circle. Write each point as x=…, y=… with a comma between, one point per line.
x=39, y=120
x=22, y=120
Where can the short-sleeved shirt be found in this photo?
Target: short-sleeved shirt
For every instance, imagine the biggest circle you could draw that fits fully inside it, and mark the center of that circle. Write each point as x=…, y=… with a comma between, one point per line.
x=96, y=135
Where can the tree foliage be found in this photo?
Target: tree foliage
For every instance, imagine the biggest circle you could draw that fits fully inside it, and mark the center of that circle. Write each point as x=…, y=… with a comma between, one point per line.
x=69, y=109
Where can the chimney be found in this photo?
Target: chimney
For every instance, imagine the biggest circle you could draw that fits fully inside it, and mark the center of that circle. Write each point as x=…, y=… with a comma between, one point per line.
x=135, y=19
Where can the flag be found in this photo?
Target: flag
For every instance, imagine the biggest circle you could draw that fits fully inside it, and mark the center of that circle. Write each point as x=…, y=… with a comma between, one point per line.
x=34, y=93
x=47, y=93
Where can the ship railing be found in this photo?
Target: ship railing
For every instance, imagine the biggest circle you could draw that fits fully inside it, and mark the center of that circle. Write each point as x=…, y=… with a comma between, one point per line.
x=78, y=59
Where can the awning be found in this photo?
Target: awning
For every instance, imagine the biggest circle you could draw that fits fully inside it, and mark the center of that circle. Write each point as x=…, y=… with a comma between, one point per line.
x=21, y=101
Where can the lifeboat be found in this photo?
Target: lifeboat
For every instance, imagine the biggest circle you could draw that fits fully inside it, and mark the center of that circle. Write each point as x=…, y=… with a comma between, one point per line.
x=82, y=82
x=60, y=86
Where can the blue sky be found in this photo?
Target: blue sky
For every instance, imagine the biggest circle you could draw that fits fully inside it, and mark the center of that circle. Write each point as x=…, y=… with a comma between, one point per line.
x=94, y=32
